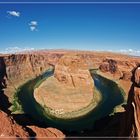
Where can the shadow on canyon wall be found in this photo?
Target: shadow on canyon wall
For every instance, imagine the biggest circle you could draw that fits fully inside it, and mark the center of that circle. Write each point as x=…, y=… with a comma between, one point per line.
x=4, y=103
x=128, y=121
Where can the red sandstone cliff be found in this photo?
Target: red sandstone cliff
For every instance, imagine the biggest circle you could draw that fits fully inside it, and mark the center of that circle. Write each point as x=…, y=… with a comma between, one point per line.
x=136, y=102
x=23, y=67
x=72, y=71
x=131, y=121
x=18, y=68
x=8, y=127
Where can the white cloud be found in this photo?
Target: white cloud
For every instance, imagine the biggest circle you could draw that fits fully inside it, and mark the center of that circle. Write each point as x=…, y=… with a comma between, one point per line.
x=130, y=51
x=33, y=28
x=33, y=25
x=17, y=50
x=125, y=51
x=14, y=13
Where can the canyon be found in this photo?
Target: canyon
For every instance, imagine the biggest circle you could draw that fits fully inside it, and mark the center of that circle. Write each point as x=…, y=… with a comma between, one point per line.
x=71, y=72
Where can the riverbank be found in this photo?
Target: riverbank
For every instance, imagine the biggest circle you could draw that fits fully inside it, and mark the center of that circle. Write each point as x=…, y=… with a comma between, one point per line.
x=122, y=84
x=65, y=102
x=115, y=88
x=105, y=107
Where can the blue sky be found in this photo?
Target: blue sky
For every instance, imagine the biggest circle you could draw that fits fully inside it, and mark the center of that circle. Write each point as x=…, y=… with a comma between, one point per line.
x=70, y=26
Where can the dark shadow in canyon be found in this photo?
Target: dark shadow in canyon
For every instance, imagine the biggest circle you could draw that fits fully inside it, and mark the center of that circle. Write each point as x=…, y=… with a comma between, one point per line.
x=108, y=126
x=4, y=103
x=128, y=121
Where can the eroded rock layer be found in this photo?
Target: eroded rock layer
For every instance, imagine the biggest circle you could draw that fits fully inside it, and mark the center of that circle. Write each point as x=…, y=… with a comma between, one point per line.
x=72, y=71
x=136, y=102
x=16, y=69
x=8, y=127
x=131, y=120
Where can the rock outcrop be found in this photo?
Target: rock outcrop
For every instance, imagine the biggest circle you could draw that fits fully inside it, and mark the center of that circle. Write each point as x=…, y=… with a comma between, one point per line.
x=8, y=127
x=131, y=122
x=136, y=102
x=72, y=71
x=109, y=65
x=137, y=76
x=47, y=132
x=119, y=66
x=126, y=75
x=136, y=105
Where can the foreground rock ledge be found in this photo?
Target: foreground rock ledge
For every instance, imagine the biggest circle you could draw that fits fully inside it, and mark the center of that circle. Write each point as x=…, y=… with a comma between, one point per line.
x=9, y=129
x=131, y=122
x=69, y=90
x=47, y=132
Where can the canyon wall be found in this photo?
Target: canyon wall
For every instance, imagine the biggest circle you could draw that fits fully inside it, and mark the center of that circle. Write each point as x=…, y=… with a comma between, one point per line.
x=131, y=117
x=23, y=67
x=16, y=69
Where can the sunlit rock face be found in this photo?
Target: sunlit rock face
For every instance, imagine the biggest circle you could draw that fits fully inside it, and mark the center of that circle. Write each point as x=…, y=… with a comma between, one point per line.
x=136, y=101
x=126, y=75
x=8, y=127
x=72, y=71
x=131, y=126
x=109, y=65
x=137, y=76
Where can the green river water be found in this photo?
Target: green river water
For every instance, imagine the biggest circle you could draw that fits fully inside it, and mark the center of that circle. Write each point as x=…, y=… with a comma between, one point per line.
x=112, y=96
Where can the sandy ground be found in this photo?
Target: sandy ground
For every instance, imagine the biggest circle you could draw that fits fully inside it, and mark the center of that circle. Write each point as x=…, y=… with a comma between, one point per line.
x=56, y=96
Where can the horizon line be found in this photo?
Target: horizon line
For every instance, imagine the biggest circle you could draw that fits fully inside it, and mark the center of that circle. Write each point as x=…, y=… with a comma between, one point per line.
x=71, y=50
